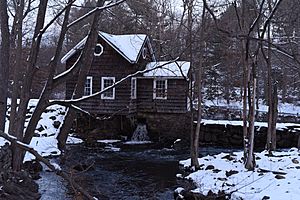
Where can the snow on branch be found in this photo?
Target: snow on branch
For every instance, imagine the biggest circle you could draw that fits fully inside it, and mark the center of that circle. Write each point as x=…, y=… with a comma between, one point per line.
x=56, y=17
x=68, y=71
x=268, y=21
x=109, y=5
x=73, y=101
x=52, y=166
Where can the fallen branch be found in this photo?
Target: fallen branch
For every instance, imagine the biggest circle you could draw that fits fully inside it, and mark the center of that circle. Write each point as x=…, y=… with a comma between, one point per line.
x=271, y=171
x=53, y=167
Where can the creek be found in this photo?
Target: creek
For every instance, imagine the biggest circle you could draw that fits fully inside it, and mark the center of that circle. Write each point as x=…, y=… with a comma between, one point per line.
x=132, y=173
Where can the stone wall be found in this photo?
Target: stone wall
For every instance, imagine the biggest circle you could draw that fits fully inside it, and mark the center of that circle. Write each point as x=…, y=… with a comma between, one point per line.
x=167, y=127
x=102, y=127
x=232, y=136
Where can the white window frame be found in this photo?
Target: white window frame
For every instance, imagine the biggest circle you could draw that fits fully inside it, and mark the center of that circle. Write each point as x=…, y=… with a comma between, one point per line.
x=102, y=87
x=133, y=87
x=101, y=47
x=90, y=79
x=154, y=88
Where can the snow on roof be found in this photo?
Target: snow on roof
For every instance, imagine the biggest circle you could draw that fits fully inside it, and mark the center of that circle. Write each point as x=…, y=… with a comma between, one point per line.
x=129, y=46
x=73, y=50
x=173, y=69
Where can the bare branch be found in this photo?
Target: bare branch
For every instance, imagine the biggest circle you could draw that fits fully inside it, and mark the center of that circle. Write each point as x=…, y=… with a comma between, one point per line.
x=95, y=10
x=56, y=17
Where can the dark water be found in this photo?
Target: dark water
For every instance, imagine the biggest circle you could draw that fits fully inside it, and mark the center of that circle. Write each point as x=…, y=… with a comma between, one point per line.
x=133, y=174
x=130, y=174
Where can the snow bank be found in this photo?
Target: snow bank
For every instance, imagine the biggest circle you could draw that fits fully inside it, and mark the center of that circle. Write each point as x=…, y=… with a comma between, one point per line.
x=279, y=126
x=45, y=142
x=276, y=177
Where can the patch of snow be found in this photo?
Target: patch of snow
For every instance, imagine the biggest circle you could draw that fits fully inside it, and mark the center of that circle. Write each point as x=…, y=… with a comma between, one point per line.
x=45, y=146
x=176, y=141
x=174, y=69
x=179, y=190
x=45, y=142
x=179, y=176
x=74, y=140
x=275, y=176
x=279, y=126
x=56, y=166
x=283, y=108
x=108, y=141
x=111, y=148
x=137, y=142
x=3, y=141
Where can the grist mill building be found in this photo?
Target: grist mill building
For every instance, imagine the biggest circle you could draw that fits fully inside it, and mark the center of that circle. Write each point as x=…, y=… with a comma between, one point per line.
x=157, y=98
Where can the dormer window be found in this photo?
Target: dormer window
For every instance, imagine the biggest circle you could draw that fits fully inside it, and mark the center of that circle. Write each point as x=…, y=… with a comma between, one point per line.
x=98, y=50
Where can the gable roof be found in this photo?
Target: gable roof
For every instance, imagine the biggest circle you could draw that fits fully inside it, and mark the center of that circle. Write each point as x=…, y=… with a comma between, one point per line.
x=129, y=46
x=173, y=69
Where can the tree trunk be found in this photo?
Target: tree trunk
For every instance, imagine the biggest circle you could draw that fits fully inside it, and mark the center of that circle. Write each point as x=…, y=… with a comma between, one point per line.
x=49, y=86
x=84, y=64
x=275, y=115
x=26, y=87
x=4, y=62
x=250, y=160
x=270, y=101
x=17, y=68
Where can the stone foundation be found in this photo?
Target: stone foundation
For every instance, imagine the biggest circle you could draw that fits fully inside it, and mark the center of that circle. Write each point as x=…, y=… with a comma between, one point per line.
x=166, y=128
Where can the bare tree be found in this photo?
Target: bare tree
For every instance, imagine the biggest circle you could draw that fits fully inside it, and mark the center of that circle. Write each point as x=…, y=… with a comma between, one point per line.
x=4, y=61
x=18, y=121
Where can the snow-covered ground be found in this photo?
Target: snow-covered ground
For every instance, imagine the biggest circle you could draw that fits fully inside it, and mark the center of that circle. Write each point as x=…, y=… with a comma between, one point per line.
x=283, y=108
x=275, y=177
x=44, y=141
x=279, y=126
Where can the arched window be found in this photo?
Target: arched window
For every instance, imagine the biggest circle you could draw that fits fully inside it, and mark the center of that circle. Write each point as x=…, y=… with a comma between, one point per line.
x=144, y=53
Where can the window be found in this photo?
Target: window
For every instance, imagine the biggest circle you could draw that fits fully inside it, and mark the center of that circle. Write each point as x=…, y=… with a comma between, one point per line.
x=133, y=88
x=144, y=53
x=98, y=50
x=160, y=89
x=88, y=86
x=106, y=82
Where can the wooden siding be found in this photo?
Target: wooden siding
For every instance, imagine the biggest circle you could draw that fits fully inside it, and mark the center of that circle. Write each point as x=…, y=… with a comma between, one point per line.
x=112, y=64
x=109, y=64
x=176, y=101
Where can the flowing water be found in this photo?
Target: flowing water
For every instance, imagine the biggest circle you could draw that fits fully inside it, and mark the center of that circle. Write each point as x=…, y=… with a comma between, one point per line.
x=132, y=173
x=140, y=133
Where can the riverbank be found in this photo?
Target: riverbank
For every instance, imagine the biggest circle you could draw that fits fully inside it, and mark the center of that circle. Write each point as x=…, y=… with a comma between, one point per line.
x=275, y=176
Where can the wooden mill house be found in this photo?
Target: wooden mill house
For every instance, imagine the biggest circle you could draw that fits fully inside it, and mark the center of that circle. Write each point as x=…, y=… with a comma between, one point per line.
x=156, y=98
